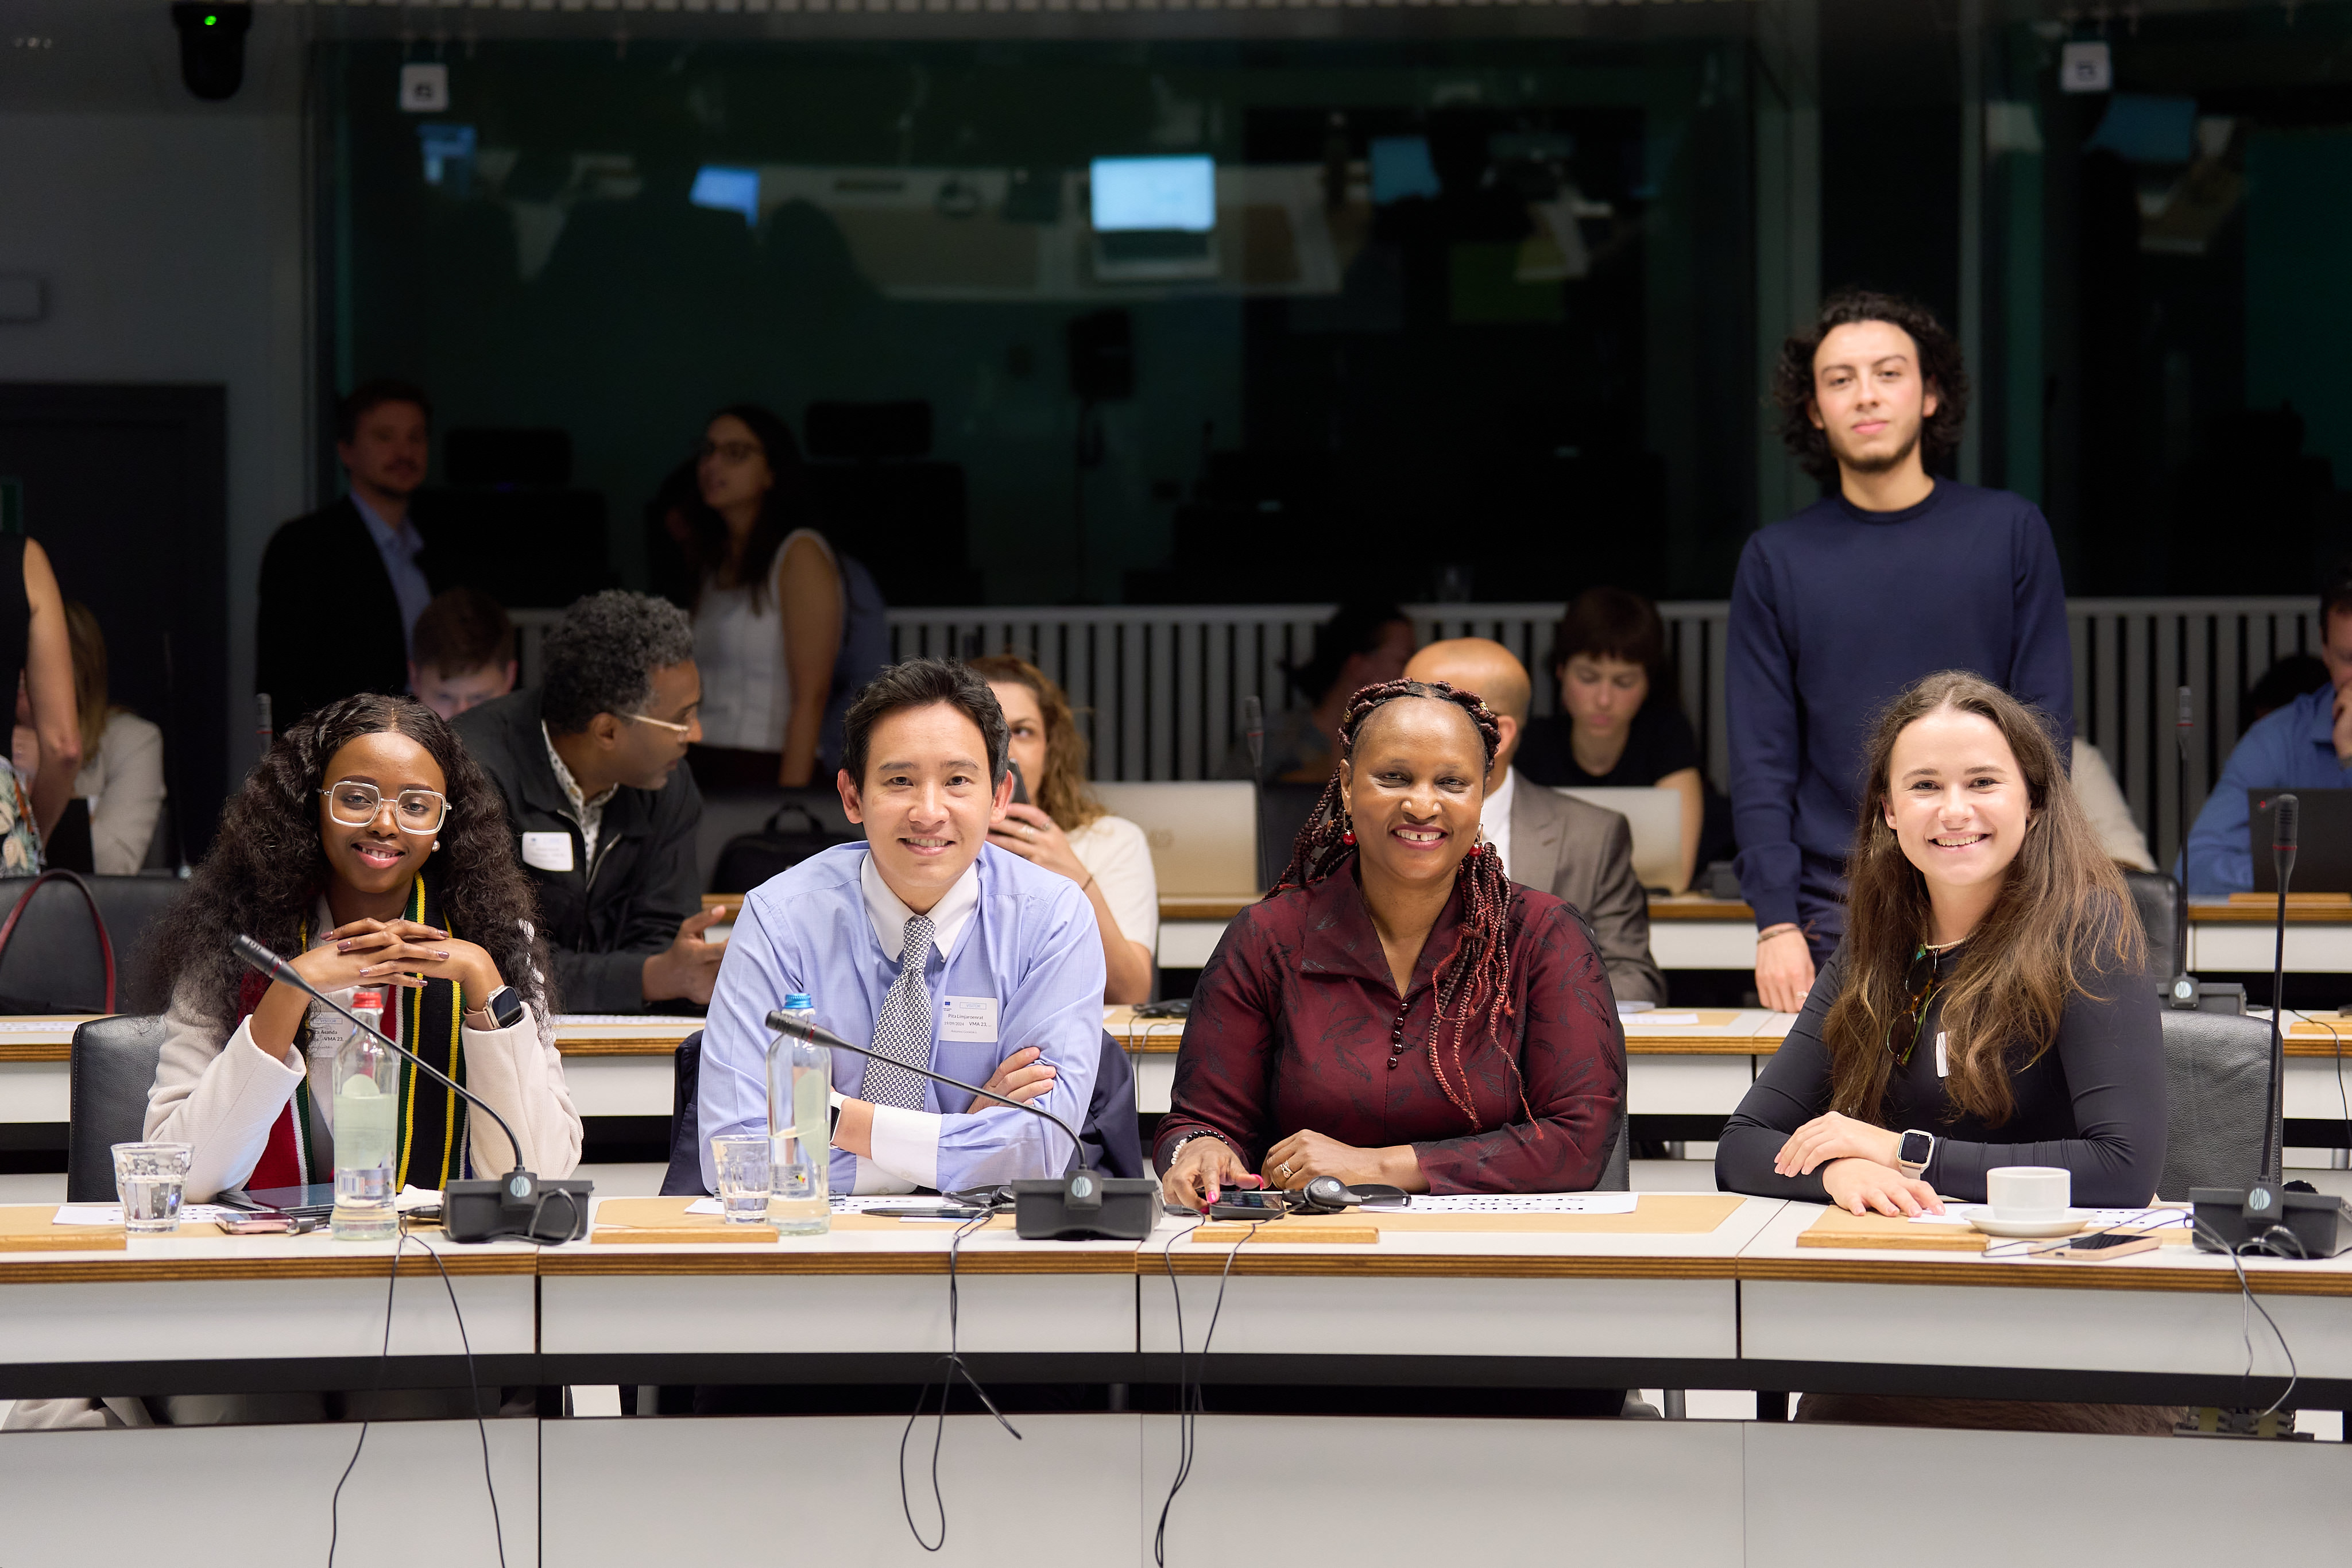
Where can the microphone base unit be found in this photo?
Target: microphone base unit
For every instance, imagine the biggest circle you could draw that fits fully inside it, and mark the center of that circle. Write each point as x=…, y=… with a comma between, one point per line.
x=518, y=1206
x=2233, y=1219
x=1084, y=1206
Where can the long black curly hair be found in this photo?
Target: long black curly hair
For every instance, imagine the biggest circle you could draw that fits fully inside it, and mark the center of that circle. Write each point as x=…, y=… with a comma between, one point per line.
x=1474, y=980
x=267, y=865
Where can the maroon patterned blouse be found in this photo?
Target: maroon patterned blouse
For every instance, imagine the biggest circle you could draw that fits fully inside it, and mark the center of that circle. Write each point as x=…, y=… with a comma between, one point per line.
x=1297, y=1025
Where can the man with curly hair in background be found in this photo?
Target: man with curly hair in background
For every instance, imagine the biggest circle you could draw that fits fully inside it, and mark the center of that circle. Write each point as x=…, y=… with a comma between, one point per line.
x=1896, y=572
x=603, y=816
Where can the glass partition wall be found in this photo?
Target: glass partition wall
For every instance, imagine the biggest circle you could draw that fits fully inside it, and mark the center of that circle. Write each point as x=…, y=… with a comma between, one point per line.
x=1478, y=311
x=1086, y=321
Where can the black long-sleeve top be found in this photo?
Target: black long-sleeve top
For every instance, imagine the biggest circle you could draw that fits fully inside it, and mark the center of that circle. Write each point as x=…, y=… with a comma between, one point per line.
x=2094, y=1102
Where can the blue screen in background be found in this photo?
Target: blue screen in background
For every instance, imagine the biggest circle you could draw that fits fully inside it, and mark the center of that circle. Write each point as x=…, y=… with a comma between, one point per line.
x=1401, y=167
x=727, y=190
x=1155, y=193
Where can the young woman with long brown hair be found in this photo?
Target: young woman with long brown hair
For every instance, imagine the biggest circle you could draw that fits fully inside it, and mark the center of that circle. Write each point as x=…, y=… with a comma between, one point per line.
x=1064, y=828
x=1397, y=1010
x=1988, y=1007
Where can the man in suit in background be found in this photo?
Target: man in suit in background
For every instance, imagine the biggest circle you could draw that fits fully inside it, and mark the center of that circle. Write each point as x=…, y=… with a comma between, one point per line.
x=341, y=589
x=1555, y=843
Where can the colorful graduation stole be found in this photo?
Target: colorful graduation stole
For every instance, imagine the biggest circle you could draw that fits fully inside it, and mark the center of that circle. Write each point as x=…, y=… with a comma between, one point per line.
x=430, y=1118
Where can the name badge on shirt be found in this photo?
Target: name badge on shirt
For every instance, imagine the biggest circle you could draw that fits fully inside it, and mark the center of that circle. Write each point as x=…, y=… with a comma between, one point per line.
x=547, y=852
x=1943, y=1068
x=970, y=1017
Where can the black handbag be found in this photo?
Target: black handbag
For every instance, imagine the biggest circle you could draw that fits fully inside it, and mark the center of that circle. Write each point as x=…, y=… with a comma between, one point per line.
x=755, y=858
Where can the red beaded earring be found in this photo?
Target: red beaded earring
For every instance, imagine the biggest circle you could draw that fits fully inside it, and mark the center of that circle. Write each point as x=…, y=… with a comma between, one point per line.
x=1347, y=832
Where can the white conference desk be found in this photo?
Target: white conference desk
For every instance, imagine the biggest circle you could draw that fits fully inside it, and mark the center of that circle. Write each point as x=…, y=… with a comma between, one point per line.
x=1738, y=1302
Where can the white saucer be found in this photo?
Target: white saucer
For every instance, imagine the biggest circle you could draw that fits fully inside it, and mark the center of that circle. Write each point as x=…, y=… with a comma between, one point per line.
x=2028, y=1229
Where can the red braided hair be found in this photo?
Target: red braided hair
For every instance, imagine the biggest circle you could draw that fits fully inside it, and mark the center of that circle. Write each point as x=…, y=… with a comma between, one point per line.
x=1473, y=983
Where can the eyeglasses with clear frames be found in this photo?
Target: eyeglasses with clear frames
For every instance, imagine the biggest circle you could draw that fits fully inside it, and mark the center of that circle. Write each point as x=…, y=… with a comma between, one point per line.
x=355, y=803
x=686, y=728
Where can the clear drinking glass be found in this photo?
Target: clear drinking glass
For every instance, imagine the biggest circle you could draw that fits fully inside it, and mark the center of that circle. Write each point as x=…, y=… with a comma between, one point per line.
x=746, y=1175
x=148, y=1178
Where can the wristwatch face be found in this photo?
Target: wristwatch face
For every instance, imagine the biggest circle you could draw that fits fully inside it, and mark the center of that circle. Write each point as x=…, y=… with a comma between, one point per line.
x=1917, y=1147
x=505, y=1008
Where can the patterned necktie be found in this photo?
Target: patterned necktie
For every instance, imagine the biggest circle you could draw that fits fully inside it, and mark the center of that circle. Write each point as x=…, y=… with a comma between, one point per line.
x=903, y=1033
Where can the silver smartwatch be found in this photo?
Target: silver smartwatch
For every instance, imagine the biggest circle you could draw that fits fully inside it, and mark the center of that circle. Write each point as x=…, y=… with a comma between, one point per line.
x=1914, y=1151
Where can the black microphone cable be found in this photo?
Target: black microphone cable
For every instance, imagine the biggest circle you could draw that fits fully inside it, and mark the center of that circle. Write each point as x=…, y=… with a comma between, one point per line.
x=384, y=1359
x=1189, y=1409
x=952, y=1369
x=473, y=1390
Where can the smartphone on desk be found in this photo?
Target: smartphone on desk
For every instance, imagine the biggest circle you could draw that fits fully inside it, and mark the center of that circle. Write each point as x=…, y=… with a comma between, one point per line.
x=2098, y=1247
x=1249, y=1203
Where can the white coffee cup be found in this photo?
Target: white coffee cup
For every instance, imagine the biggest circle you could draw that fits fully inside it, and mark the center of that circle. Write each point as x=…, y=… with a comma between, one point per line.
x=2028, y=1194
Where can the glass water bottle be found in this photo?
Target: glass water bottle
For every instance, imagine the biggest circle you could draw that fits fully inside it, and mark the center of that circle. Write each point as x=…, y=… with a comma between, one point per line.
x=800, y=1128
x=367, y=1097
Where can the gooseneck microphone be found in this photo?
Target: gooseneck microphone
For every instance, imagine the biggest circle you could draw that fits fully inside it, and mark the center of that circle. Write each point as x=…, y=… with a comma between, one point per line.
x=471, y=1211
x=1078, y=1204
x=783, y=1023
x=2285, y=821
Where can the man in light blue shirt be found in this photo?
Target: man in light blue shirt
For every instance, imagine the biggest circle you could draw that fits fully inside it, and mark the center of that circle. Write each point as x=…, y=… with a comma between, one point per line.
x=2306, y=745
x=925, y=941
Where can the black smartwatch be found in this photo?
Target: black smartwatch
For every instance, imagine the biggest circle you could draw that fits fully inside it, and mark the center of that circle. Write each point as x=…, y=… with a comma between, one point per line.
x=1914, y=1151
x=504, y=1007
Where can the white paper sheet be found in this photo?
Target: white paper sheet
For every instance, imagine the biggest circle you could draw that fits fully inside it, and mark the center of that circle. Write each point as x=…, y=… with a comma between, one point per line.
x=111, y=1213
x=1659, y=1019
x=1528, y=1203
x=2093, y=1218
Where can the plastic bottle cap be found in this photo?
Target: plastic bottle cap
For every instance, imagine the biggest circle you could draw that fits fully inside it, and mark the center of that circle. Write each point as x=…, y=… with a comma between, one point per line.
x=363, y=999
x=795, y=1002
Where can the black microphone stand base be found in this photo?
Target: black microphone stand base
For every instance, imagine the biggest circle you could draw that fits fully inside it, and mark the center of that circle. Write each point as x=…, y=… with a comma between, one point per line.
x=1084, y=1206
x=551, y=1210
x=2232, y=1218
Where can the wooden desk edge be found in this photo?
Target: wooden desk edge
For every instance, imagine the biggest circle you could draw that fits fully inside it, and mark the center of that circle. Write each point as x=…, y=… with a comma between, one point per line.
x=150, y=1268
x=1947, y=1269
x=651, y=1260
x=1374, y=1264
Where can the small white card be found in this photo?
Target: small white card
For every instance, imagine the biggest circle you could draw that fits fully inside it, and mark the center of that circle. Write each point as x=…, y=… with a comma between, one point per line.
x=970, y=1018
x=547, y=852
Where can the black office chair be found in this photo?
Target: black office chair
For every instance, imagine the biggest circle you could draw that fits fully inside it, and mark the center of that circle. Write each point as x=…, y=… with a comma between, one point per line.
x=685, y=1174
x=2157, y=898
x=54, y=961
x=1112, y=1134
x=110, y=1069
x=2216, y=1079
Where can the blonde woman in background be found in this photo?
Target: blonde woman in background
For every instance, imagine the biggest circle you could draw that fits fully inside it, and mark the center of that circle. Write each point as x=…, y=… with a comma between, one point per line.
x=121, y=773
x=1064, y=828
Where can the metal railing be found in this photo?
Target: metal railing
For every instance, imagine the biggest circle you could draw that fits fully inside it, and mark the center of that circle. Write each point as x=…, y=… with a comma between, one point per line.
x=1158, y=690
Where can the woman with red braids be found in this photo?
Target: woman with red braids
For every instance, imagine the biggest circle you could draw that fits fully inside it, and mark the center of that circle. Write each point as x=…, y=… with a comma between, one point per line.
x=1397, y=1010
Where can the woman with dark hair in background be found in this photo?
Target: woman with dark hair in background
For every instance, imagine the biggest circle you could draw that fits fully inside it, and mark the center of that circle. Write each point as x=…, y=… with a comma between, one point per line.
x=1361, y=645
x=1064, y=828
x=370, y=850
x=1397, y=1010
x=769, y=609
x=1620, y=725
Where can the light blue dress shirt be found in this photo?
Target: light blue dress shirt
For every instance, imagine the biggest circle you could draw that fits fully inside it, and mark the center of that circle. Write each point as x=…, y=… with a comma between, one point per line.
x=1031, y=950
x=398, y=547
x=2292, y=748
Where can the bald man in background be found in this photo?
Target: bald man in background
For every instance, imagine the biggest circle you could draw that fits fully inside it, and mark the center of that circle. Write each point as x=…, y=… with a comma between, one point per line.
x=1555, y=843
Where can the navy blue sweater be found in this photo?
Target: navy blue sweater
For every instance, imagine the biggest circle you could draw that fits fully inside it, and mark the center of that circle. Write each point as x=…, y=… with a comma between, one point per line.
x=1835, y=611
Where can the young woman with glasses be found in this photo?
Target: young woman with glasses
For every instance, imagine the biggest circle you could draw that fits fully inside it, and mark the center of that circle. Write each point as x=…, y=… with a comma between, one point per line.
x=371, y=849
x=1988, y=1007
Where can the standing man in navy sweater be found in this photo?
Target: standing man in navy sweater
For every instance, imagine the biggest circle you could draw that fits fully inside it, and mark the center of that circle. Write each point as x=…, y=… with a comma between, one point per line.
x=1835, y=609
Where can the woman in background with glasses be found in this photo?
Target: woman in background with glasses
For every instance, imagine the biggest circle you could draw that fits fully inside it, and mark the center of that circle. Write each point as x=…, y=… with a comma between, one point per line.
x=374, y=852
x=1989, y=1006
x=769, y=608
